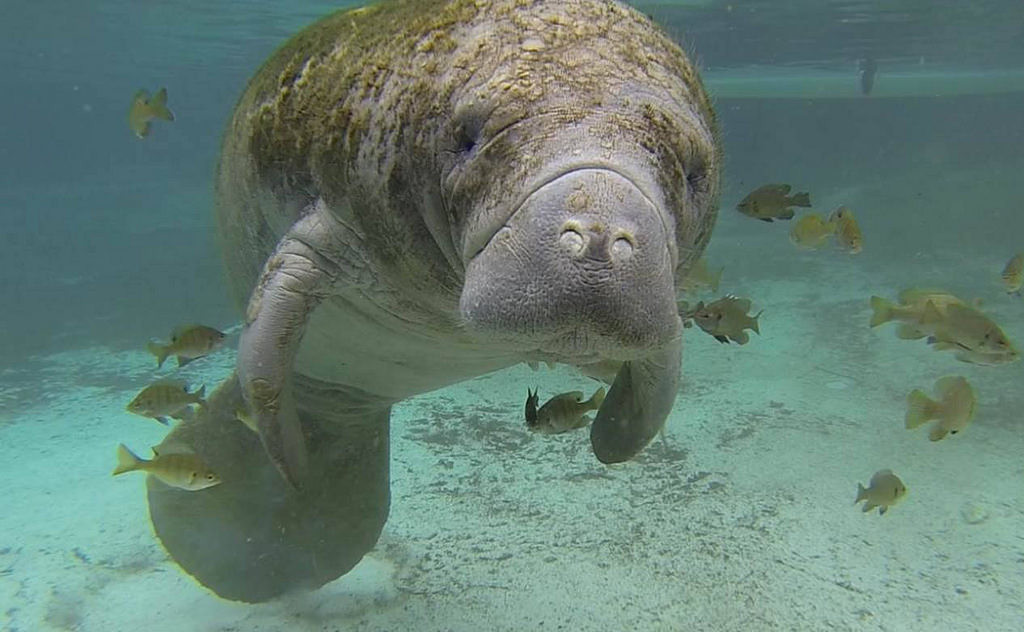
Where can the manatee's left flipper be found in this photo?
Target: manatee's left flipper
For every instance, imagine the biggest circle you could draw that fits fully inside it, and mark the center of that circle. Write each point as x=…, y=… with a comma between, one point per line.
x=637, y=405
x=309, y=262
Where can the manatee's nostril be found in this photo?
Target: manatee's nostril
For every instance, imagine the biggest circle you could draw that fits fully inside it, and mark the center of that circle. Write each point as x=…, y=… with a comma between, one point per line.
x=572, y=240
x=622, y=249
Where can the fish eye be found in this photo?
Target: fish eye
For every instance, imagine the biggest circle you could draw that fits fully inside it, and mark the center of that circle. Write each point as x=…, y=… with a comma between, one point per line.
x=953, y=431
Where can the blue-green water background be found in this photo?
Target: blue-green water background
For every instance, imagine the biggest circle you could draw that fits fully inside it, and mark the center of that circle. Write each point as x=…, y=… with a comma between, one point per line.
x=106, y=239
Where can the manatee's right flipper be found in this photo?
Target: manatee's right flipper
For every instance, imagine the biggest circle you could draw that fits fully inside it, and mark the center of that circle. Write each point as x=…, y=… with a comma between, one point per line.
x=316, y=256
x=253, y=537
x=639, y=401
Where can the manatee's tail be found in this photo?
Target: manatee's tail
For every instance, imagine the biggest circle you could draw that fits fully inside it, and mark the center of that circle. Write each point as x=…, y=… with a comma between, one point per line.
x=160, y=351
x=158, y=106
x=881, y=311
x=126, y=461
x=920, y=408
x=801, y=199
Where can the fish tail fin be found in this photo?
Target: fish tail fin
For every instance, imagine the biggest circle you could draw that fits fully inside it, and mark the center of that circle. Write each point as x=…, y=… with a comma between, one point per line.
x=158, y=105
x=126, y=461
x=597, y=398
x=160, y=351
x=881, y=311
x=182, y=361
x=756, y=328
x=802, y=199
x=920, y=408
x=200, y=396
x=862, y=493
x=716, y=278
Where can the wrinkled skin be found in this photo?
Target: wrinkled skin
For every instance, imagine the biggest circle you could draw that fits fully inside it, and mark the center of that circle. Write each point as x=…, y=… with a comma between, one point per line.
x=416, y=194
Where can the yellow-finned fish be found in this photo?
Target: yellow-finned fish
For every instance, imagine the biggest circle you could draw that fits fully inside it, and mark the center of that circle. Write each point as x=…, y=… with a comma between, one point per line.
x=812, y=231
x=188, y=343
x=561, y=413
x=145, y=108
x=969, y=333
x=885, y=490
x=910, y=310
x=725, y=319
x=771, y=202
x=848, y=234
x=166, y=398
x=1013, y=274
x=953, y=410
x=183, y=470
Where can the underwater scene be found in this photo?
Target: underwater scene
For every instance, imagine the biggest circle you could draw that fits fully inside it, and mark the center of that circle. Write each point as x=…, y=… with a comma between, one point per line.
x=467, y=315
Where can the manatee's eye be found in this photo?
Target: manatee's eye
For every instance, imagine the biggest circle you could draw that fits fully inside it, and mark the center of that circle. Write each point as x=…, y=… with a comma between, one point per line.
x=210, y=476
x=469, y=123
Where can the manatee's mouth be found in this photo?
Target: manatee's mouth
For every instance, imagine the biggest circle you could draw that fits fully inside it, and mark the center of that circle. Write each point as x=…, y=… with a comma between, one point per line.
x=582, y=269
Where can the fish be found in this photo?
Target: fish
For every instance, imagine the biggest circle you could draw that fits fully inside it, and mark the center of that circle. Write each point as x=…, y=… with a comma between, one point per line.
x=771, y=202
x=701, y=276
x=188, y=343
x=867, y=68
x=1013, y=274
x=183, y=470
x=812, y=231
x=726, y=319
x=145, y=108
x=847, y=231
x=561, y=413
x=883, y=491
x=953, y=409
x=971, y=334
x=910, y=310
x=166, y=398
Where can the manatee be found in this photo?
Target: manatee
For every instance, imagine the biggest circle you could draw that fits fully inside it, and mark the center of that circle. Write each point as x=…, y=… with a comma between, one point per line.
x=420, y=192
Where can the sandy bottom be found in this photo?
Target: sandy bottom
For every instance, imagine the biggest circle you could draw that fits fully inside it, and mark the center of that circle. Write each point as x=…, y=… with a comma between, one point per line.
x=740, y=518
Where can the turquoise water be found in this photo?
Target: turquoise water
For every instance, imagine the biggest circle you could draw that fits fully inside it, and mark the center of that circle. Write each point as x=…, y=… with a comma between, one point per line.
x=740, y=518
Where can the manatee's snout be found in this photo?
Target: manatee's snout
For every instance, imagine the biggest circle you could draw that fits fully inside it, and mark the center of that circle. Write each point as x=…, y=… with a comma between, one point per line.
x=583, y=266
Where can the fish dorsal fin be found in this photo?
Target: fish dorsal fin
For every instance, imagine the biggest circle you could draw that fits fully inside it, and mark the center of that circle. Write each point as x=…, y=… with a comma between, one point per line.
x=172, y=447
x=931, y=313
x=182, y=384
x=180, y=329
x=913, y=295
x=945, y=385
